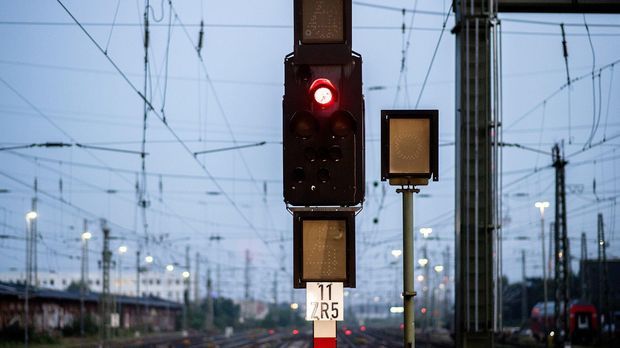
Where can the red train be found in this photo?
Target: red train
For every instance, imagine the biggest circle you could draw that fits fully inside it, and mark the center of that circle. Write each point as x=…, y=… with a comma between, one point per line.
x=583, y=321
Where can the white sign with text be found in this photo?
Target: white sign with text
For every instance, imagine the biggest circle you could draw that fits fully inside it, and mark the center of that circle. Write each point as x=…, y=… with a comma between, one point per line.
x=324, y=301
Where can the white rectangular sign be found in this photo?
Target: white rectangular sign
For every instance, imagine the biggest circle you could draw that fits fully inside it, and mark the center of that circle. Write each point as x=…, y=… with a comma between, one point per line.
x=324, y=301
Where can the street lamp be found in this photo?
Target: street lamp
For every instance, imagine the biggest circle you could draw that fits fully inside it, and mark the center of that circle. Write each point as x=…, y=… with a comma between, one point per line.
x=426, y=231
x=30, y=238
x=439, y=268
x=169, y=268
x=185, y=274
x=423, y=262
x=397, y=252
x=541, y=206
x=148, y=259
x=122, y=249
x=31, y=215
x=86, y=236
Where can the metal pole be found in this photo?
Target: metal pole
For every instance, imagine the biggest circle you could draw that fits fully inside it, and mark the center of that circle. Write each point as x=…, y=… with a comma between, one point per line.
x=408, y=293
x=544, y=269
x=28, y=275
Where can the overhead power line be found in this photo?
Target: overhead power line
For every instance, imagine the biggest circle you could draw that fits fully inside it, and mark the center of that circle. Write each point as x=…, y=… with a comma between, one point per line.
x=159, y=115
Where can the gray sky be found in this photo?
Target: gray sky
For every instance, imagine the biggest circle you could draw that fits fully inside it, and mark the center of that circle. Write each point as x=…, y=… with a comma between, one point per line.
x=71, y=93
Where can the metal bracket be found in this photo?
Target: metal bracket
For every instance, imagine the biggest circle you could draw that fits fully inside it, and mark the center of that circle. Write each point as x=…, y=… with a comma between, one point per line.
x=409, y=294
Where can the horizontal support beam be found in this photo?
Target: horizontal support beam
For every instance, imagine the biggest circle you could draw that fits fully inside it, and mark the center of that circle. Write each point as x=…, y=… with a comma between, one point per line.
x=560, y=6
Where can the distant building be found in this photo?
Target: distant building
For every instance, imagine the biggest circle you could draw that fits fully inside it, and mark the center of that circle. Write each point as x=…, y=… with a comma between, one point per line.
x=166, y=285
x=52, y=310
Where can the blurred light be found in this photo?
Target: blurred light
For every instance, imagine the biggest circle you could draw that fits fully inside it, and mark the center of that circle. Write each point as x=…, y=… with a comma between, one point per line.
x=294, y=306
x=271, y=331
x=396, y=253
x=397, y=309
x=542, y=206
x=426, y=231
x=31, y=215
x=122, y=249
x=348, y=332
x=295, y=332
x=402, y=326
x=442, y=286
x=376, y=298
x=346, y=293
x=87, y=235
x=148, y=259
x=362, y=328
x=423, y=310
x=439, y=268
x=423, y=262
x=420, y=278
x=169, y=268
x=185, y=274
x=551, y=333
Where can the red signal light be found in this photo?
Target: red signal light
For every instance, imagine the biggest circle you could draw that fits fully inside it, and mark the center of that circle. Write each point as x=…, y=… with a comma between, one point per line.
x=348, y=332
x=362, y=328
x=323, y=92
x=423, y=310
x=295, y=332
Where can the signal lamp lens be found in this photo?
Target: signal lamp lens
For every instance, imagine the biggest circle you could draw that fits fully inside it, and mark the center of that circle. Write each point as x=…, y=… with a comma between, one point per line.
x=323, y=175
x=304, y=125
x=335, y=153
x=342, y=123
x=323, y=92
x=299, y=174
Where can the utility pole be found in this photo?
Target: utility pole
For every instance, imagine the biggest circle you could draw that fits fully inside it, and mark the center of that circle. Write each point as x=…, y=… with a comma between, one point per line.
x=197, y=280
x=209, y=321
x=35, y=236
x=562, y=294
x=603, y=276
x=83, y=274
x=139, y=308
x=105, y=301
x=186, y=282
x=582, y=268
x=477, y=191
x=523, y=289
x=247, y=276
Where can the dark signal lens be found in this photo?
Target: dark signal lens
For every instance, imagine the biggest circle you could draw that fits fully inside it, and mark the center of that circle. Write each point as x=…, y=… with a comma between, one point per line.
x=342, y=123
x=304, y=125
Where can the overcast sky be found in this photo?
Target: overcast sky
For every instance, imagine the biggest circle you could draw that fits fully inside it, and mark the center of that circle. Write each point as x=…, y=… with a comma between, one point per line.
x=57, y=86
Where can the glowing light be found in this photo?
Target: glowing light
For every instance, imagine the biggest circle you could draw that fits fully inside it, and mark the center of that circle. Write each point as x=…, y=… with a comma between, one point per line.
x=122, y=249
x=420, y=278
x=31, y=215
x=551, y=333
x=148, y=259
x=426, y=231
x=323, y=91
x=169, y=268
x=348, y=332
x=397, y=309
x=185, y=274
x=87, y=235
x=376, y=298
x=423, y=262
x=295, y=332
x=294, y=306
x=541, y=206
x=439, y=268
x=362, y=328
x=396, y=253
x=423, y=310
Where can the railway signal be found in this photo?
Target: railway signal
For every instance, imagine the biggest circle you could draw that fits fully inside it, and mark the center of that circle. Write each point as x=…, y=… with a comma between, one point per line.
x=323, y=110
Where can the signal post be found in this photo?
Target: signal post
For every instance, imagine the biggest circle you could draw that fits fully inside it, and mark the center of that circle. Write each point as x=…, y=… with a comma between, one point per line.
x=323, y=157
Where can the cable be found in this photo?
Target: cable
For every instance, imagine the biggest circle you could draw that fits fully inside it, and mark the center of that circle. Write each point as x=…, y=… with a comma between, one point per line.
x=118, y=3
x=430, y=66
x=556, y=92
